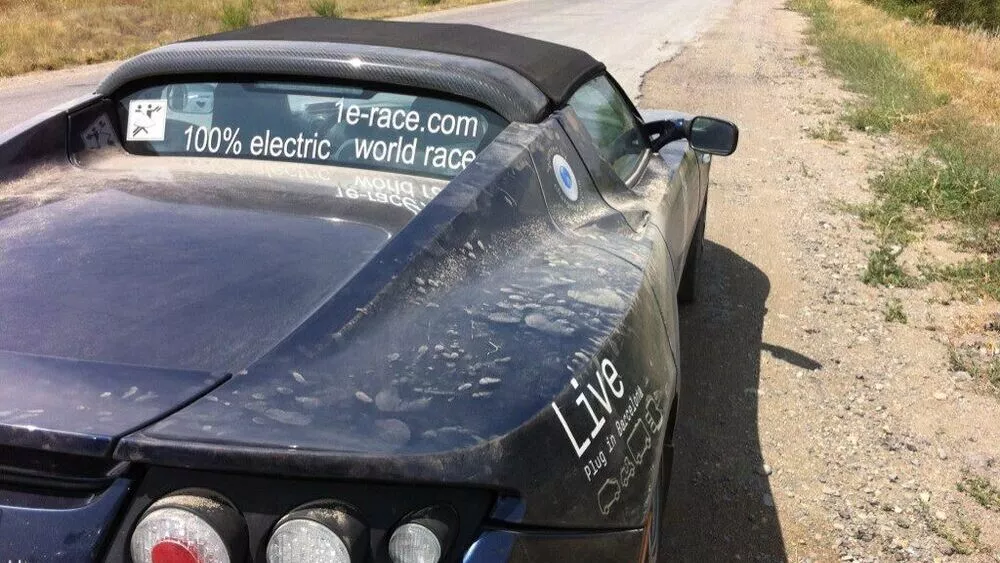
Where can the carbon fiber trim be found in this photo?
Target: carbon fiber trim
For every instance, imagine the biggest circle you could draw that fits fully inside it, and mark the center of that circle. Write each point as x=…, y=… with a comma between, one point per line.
x=495, y=86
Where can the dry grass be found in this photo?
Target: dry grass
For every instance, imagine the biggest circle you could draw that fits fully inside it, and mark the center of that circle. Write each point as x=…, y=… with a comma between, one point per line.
x=962, y=63
x=941, y=87
x=50, y=34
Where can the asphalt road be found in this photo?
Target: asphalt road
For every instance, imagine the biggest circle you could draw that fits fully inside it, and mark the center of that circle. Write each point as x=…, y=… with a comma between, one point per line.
x=630, y=36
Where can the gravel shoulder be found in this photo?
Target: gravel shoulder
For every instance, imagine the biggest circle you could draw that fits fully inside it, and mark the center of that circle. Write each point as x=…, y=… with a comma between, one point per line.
x=811, y=429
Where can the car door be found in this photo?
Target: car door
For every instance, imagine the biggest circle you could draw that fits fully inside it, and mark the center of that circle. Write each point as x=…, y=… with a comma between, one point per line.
x=662, y=190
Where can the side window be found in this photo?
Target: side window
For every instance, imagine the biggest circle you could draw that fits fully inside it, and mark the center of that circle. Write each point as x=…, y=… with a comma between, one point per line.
x=608, y=118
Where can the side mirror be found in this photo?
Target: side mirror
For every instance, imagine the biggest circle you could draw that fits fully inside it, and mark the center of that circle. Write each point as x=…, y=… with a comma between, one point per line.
x=706, y=134
x=714, y=136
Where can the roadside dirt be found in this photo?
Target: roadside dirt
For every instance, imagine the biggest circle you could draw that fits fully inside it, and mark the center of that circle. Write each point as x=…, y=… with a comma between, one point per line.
x=811, y=429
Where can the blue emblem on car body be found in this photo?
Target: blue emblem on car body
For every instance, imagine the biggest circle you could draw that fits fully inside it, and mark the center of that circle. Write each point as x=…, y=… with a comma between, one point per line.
x=565, y=177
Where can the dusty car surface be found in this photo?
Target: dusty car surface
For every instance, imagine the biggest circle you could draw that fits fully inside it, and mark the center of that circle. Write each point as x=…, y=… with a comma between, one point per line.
x=329, y=290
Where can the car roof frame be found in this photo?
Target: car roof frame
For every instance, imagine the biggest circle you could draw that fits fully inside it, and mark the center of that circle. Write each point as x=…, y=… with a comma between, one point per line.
x=491, y=84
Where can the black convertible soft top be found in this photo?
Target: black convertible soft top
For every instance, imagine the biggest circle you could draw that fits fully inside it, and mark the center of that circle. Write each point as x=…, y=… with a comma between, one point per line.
x=555, y=69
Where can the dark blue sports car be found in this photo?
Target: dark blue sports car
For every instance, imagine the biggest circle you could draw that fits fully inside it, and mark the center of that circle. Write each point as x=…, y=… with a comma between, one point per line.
x=342, y=291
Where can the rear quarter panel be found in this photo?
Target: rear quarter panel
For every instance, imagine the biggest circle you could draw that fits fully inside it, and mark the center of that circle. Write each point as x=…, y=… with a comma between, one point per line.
x=507, y=338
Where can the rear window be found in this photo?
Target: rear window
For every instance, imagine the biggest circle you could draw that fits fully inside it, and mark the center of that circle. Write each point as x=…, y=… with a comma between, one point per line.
x=319, y=124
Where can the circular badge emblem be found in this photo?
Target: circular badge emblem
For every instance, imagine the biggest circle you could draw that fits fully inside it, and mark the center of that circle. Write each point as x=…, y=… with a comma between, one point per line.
x=565, y=177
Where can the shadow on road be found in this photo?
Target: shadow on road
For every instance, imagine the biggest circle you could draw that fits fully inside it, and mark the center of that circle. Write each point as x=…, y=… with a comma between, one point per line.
x=720, y=504
x=791, y=357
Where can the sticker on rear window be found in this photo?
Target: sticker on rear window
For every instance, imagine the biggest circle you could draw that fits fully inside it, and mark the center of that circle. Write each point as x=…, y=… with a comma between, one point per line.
x=147, y=120
x=309, y=123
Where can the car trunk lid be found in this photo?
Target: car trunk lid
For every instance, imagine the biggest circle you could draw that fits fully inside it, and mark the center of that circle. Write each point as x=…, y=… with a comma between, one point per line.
x=74, y=407
x=128, y=293
x=200, y=273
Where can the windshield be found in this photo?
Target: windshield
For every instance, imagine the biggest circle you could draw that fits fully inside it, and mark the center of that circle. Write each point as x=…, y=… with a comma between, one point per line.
x=323, y=124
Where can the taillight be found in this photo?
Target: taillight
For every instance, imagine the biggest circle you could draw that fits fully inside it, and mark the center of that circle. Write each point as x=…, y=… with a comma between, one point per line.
x=423, y=537
x=325, y=532
x=192, y=527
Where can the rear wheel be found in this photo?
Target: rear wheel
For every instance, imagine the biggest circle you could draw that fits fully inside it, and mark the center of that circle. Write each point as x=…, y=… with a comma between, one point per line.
x=662, y=488
x=659, y=507
x=656, y=522
x=687, y=291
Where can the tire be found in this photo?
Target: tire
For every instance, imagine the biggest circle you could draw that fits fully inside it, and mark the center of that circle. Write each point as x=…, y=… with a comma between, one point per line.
x=688, y=288
x=656, y=523
x=661, y=490
x=656, y=528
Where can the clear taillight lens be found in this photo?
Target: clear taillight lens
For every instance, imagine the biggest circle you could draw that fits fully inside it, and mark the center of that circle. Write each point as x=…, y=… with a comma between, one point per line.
x=189, y=529
x=305, y=541
x=414, y=543
x=424, y=536
x=322, y=534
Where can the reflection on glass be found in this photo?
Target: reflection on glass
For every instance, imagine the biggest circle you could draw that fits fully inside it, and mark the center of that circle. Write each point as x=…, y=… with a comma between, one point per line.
x=608, y=119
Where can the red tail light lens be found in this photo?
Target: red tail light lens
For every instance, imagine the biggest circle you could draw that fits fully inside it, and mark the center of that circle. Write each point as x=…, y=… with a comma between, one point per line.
x=171, y=551
x=190, y=528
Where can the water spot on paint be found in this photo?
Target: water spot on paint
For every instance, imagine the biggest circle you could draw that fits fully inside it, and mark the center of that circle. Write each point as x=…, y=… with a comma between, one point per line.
x=288, y=417
x=393, y=431
x=388, y=400
x=313, y=402
x=504, y=317
x=544, y=324
x=604, y=298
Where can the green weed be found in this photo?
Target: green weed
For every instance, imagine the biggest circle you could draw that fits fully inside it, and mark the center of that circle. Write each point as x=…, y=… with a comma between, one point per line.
x=974, y=276
x=325, y=8
x=965, y=541
x=237, y=15
x=988, y=371
x=884, y=270
x=979, y=239
x=894, y=312
x=827, y=132
x=982, y=491
x=947, y=184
